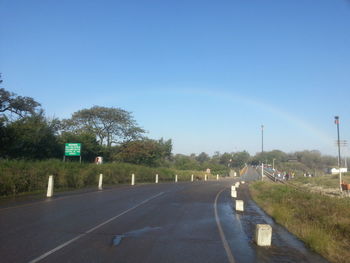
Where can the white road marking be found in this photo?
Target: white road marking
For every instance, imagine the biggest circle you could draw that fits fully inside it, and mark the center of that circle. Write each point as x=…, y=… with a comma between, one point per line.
x=221, y=232
x=92, y=229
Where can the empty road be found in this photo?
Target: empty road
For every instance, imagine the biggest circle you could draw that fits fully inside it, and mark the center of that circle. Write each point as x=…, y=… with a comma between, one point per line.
x=166, y=222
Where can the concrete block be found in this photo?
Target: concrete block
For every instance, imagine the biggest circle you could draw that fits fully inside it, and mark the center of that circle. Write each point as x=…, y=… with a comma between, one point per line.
x=263, y=235
x=239, y=205
x=234, y=194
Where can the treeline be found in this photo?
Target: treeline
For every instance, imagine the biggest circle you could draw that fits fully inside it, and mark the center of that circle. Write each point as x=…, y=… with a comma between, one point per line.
x=27, y=134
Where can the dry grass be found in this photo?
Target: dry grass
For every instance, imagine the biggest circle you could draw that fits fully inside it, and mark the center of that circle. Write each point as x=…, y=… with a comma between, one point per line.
x=322, y=222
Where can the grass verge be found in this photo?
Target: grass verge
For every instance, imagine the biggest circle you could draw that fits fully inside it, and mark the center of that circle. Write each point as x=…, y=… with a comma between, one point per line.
x=322, y=222
x=18, y=177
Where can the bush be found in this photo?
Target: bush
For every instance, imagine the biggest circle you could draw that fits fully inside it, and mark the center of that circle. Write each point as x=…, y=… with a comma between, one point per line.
x=21, y=176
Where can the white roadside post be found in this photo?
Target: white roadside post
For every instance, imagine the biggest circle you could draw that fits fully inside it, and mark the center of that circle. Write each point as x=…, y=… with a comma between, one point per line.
x=156, y=178
x=233, y=188
x=217, y=177
x=234, y=193
x=50, y=187
x=262, y=171
x=263, y=235
x=239, y=205
x=205, y=177
x=235, y=174
x=100, y=182
x=175, y=178
x=191, y=177
x=237, y=184
x=133, y=179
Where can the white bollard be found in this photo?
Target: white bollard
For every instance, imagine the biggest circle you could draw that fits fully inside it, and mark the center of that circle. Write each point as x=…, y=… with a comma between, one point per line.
x=217, y=177
x=192, y=178
x=263, y=235
x=233, y=188
x=237, y=184
x=156, y=178
x=50, y=187
x=235, y=174
x=239, y=205
x=100, y=182
x=234, y=193
x=132, y=179
x=175, y=178
x=205, y=177
x=242, y=182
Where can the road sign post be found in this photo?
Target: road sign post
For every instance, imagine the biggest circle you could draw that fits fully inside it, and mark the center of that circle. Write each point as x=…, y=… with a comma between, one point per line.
x=72, y=149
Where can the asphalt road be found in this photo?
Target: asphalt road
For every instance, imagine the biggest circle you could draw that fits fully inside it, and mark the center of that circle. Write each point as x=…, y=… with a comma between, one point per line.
x=170, y=222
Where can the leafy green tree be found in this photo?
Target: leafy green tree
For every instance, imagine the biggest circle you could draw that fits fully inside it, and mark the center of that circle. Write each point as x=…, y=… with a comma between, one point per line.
x=146, y=152
x=203, y=157
x=110, y=125
x=31, y=137
x=13, y=107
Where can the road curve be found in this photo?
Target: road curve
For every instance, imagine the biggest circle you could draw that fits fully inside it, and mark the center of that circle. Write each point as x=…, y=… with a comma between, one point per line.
x=170, y=222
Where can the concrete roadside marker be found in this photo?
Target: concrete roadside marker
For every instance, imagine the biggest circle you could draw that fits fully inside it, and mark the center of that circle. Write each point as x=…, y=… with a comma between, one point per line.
x=233, y=188
x=237, y=184
x=242, y=182
x=156, y=178
x=175, y=178
x=217, y=177
x=205, y=177
x=192, y=178
x=234, y=194
x=239, y=205
x=50, y=187
x=133, y=179
x=100, y=182
x=263, y=235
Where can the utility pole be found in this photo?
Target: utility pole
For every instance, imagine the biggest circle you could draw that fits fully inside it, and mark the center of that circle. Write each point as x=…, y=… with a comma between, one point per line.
x=338, y=143
x=262, y=138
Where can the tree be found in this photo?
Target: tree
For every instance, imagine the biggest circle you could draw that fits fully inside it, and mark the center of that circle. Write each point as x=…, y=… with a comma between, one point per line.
x=203, y=157
x=13, y=106
x=147, y=152
x=31, y=137
x=110, y=125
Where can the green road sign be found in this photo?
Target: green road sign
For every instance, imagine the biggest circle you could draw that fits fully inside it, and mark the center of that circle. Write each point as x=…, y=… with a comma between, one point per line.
x=72, y=149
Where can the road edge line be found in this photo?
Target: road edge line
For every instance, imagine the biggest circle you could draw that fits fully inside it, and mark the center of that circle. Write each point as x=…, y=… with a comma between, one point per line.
x=221, y=232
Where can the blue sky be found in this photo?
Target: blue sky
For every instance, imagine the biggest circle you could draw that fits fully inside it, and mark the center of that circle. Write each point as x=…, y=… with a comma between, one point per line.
x=205, y=74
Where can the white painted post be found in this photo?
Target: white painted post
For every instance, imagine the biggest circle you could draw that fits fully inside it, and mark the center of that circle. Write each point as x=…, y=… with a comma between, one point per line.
x=239, y=205
x=263, y=235
x=217, y=177
x=50, y=187
x=235, y=174
x=243, y=182
x=262, y=171
x=233, y=188
x=234, y=193
x=156, y=178
x=237, y=184
x=132, y=179
x=205, y=177
x=192, y=178
x=100, y=182
x=175, y=178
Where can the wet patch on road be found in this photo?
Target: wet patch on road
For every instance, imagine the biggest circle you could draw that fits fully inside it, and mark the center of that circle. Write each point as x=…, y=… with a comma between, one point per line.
x=135, y=233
